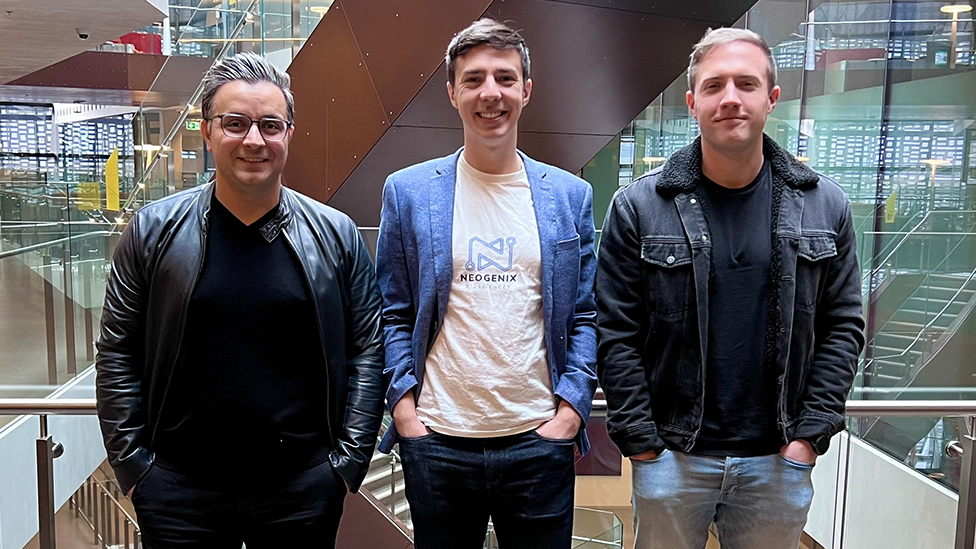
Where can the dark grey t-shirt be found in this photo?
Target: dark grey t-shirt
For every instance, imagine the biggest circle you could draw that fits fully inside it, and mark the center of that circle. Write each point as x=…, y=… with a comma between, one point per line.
x=740, y=406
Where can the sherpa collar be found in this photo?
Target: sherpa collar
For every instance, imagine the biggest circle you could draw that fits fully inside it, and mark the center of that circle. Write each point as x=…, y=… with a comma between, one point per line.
x=682, y=172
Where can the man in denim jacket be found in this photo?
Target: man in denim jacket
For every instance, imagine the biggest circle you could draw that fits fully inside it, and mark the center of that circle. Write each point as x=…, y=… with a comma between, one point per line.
x=729, y=318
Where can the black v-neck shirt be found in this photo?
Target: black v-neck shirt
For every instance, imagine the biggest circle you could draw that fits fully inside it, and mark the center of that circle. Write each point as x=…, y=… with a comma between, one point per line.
x=740, y=409
x=247, y=396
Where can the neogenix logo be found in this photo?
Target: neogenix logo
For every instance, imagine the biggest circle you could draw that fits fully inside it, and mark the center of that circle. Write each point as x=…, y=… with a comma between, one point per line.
x=484, y=254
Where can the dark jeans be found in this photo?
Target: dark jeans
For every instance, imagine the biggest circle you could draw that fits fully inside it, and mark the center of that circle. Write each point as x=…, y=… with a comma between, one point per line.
x=176, y=510
x=524, y=482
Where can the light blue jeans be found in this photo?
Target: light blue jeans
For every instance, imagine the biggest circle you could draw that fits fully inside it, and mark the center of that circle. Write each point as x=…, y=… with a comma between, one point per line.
x=755, y=503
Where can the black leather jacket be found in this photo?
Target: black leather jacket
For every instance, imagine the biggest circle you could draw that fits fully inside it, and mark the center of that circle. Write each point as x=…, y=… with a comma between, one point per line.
x=652, y=283
x=154, y=272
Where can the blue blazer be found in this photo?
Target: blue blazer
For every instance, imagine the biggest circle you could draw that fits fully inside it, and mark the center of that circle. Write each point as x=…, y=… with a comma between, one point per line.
x=414, y=265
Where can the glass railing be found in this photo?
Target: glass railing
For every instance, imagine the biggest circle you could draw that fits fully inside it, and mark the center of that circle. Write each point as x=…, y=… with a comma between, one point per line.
x=60, y=216
x=54, y=259
x=866, y=498
x=921, y=298
x=170, y=152
x=863, y=498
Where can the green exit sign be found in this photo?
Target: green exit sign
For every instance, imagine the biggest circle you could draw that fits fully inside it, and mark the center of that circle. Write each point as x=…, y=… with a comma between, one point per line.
x=193, y=125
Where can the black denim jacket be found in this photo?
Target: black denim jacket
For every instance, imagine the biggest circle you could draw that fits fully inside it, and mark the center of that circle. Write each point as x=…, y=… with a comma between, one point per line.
x=652, y=282
x=154, y=272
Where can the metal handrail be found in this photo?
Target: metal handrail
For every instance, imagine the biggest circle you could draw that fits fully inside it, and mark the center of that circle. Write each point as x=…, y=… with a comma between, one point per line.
x=911, y=408
x=47, y=406
x=876, y=270
x=930, y=323
x=55, y=242
x=905, y=238
x=855, y=408
x=101, y=509
x=966, y=513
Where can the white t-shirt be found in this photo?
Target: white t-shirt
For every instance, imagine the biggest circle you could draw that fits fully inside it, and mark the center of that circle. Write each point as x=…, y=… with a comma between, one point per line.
x=487, y=374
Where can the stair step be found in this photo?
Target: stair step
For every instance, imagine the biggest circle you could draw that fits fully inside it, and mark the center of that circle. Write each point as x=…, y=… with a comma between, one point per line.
x=948, y=281
x=881, y=379
x=381, y=476
x=902, y=340
x=881, y=351
x=932, y=305
x=943, y=294
x=920, y=318
x=383, y=494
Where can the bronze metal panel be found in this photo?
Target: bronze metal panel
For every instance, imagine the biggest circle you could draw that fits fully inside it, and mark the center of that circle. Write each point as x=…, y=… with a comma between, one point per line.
x=365, y=525
x=403, y=43
x=99, y=70
x=46, y=94
x=722, y=13
x=113, y=78
x=356, y=116
x=594, y=69
x=308, y=153
x=568, y=151
x=361, y=195
x=431, y=107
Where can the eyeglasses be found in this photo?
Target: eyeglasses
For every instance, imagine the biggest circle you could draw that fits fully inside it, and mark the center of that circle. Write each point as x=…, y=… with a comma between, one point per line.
x=237, y=126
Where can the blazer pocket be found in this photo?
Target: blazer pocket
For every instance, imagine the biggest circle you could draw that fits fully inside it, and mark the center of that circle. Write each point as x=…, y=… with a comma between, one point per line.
x=566, y=245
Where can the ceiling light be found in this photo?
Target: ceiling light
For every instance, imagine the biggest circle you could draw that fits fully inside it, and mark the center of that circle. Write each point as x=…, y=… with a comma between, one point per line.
x=652, y=159
x=956, y=8
x=321, y=10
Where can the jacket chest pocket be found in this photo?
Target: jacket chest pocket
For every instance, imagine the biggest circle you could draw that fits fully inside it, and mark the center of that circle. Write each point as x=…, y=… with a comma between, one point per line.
x=814, y=254
x=668, y=275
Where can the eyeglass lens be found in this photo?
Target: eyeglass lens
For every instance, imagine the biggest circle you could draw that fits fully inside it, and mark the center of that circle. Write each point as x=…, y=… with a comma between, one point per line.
x=237, y=126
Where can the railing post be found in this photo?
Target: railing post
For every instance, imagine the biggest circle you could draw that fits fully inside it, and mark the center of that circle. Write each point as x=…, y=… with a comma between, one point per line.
x=966, y=514
x=52, y=353
x=45, y=487
x=393, y=462
x=69, y=311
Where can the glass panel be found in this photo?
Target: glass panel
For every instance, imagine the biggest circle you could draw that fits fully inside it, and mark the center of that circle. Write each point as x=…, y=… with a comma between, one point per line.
x=54, y=241
x=886, y=504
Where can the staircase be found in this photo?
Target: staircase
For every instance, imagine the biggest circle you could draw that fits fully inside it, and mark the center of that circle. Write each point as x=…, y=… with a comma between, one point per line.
x=898, y=349
x=384, y=480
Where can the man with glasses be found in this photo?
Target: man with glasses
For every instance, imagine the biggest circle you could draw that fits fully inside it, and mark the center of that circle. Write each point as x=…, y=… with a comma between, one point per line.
x=240, y=385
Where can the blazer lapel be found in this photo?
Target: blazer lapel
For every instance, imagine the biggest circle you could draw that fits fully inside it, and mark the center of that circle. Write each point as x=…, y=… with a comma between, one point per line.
x=442, y=228
x=545, y=217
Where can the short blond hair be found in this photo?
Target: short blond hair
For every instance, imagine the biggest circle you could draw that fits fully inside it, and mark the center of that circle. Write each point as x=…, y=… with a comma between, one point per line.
x=719, y=37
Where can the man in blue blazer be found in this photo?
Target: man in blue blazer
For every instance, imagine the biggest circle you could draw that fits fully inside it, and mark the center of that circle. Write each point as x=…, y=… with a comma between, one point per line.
x=486, y=264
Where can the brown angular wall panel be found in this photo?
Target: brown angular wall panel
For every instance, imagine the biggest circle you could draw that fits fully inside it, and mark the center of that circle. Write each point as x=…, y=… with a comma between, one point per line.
x=110, y=78
x=403, y=42
x=596, y=64
x=308, y=153
x=360, y=95
x=356, y=117
x=360, y=195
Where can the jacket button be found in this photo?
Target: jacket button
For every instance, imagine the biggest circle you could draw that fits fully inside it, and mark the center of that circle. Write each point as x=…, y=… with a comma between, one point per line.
x=693, y=201
x=670, y=259
x=704, y=237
